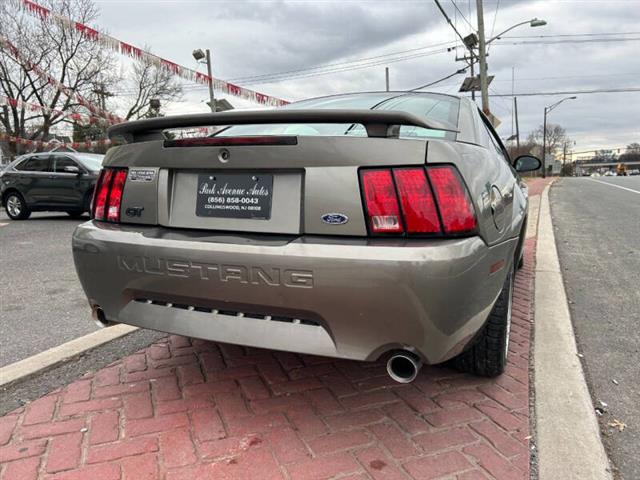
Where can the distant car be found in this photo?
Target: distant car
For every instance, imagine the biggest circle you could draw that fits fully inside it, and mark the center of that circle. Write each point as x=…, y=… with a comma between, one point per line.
x=50, y=181
x=594, y=175
x=635, y=171
x=351, y=226
x=610, y=174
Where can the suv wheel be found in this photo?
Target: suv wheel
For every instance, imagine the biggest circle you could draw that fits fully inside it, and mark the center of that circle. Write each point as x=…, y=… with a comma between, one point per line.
x=487, y=356
x=16, y=207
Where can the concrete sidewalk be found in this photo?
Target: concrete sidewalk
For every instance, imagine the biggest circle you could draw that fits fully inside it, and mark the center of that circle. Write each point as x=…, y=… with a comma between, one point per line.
x=188, y=409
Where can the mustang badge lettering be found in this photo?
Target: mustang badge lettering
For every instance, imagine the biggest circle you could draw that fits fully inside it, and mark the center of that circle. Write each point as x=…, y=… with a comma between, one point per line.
x=273, y=277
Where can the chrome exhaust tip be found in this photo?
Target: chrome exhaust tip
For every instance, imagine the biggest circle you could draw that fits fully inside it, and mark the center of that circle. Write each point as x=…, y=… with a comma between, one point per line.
x=99, y=317
x=403, y=367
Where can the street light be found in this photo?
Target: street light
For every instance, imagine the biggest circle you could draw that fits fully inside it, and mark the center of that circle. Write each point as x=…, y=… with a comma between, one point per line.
x=482, y=47
x=534, y=22
x=544, y=133
x=198, y=54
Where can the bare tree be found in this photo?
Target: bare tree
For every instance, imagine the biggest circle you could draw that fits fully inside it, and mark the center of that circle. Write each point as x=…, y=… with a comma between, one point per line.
x=633, y=148
x=149, y=82
x=632, y=153
x=555, y=140
x=525, y=148
x=65, y=54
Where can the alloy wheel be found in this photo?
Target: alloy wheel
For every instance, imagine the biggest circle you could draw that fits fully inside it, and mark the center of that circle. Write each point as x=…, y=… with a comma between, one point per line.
x=14, y=206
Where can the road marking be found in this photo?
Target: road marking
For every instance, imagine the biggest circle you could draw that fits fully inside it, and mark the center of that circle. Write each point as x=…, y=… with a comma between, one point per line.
x=3, y=224
x=614, y=185
x=60, y=354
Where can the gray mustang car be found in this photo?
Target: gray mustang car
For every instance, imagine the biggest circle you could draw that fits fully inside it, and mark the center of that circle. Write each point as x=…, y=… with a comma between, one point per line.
x=351, y=226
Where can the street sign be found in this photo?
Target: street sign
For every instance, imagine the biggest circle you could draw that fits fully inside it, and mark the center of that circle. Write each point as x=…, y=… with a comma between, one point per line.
x=495, y=121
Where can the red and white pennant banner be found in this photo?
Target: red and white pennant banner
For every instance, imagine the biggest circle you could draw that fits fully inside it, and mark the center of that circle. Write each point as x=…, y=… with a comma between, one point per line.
x=6, y=45
x=40, y=144
x=77, y=117
x=107, y=41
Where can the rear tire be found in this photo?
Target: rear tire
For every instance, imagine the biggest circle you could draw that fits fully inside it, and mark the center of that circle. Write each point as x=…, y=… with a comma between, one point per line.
x=16, y=207
x=487, y=357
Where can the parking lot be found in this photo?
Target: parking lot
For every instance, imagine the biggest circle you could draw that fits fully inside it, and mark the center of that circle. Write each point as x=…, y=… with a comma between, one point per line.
x=42, y=302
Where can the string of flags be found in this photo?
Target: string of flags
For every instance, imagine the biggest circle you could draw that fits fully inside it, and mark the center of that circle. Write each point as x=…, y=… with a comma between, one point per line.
x=85, y=145
x=77, y=117
x=46, y=15
x=49, y=144
x=6, y=45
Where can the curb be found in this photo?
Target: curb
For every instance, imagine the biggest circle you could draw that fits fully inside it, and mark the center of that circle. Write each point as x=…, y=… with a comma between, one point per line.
x=568, y=436
x=62, y=353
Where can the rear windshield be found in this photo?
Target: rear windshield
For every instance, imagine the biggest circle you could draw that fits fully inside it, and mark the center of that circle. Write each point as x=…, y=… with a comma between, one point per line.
x=441, y=108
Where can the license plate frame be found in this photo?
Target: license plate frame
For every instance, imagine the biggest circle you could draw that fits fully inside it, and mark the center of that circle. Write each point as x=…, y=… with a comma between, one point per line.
x=234, y=195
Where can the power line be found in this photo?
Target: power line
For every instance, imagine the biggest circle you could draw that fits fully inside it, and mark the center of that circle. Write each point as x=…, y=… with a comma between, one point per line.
x=462, y=14
x=338, y=64
x=569, y=92
x=495, y=16
x=444, y=14
x=457, y=72
x=345, y=69
x=603, y=34
x=584, y=40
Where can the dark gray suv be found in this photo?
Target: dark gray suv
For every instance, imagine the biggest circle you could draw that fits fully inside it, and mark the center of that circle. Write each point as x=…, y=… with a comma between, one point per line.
x=49, y=181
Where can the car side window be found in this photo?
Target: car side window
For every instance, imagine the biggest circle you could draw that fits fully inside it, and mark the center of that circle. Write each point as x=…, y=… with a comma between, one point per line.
x=62, y=161
x=38, y=163
x=494, y=140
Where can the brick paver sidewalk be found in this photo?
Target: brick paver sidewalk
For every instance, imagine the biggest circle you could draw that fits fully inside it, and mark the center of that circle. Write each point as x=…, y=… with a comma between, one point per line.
x=190, y=409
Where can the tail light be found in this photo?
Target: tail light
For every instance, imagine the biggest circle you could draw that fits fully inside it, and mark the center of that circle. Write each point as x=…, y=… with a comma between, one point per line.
x=417, y=200
x=456, y=209
x=418, y=205
x=382, y=201
x=107, y=195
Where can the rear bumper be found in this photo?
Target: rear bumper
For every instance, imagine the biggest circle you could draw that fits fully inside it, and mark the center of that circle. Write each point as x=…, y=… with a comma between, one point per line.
x=348, y=298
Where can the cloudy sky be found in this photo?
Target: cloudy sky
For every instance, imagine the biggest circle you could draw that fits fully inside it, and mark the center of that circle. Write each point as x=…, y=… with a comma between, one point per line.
x=250, y=39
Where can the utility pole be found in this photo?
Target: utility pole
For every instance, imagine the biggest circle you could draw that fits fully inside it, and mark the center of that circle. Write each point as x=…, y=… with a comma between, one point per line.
x=473, y=73
x=544, y=144
x=212, y=98
x=482, y=47
x=386, y=76
x=544, y=132
x=515, y=107
x=102, y=94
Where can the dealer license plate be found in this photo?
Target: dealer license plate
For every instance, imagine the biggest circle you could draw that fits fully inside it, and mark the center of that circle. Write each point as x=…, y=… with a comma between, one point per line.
x=241, y=195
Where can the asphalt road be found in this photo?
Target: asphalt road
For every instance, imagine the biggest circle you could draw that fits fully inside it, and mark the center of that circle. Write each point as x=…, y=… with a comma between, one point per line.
x=41, y=302
x=597, y=227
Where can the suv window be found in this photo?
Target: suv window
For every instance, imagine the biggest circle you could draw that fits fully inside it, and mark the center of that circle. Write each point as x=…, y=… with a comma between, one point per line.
x=61, y=162
x=38, y=163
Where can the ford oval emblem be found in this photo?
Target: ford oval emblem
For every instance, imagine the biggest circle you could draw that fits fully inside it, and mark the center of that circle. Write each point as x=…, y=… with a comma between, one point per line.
x=335, y=218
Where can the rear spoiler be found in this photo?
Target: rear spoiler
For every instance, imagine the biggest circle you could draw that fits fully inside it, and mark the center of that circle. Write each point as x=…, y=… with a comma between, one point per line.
x=378, y=123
